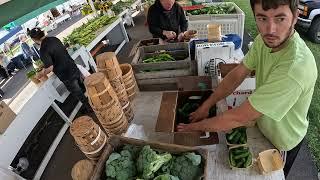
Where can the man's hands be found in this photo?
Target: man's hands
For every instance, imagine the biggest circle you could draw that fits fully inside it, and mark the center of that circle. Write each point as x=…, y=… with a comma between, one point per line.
x=201, y=113
x=184, y=127
x=181, y=37
x=169, y=34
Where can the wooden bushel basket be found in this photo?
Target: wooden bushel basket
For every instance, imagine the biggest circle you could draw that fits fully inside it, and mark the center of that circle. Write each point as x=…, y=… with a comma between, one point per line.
x=117, y=84
x=108, y=64
x=128, y=112
x=123, y=97
x=88, y=136
x=127, y=75
x=109, y=115
x=99, y=90
x=120, y=126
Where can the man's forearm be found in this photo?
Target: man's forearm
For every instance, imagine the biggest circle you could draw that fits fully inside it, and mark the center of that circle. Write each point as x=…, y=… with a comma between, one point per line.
x=230, y=119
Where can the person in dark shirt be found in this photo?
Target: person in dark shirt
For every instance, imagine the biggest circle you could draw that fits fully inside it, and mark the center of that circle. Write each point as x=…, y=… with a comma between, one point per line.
x=55, y=58
x=166, y=20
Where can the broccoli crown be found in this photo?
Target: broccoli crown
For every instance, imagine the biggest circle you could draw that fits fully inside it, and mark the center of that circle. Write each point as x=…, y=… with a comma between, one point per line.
x=186, y=167
x=134, y=150
x=166, y=177
x=149, y=162
x=121, y=166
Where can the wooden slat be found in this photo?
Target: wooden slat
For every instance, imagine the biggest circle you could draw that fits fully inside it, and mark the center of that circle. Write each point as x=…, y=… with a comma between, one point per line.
x=190, y=83
x=167, y=113
x=163, y=74
x=181, y=64
x=193, y=138
x=157, y=81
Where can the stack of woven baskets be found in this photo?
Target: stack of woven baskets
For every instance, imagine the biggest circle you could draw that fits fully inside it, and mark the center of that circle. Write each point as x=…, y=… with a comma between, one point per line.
x=89, y=137
x=129, y=81
x=108, y=64
x=105, y=103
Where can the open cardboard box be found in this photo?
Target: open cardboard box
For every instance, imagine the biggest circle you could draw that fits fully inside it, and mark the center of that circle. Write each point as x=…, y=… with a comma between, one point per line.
x=194, y=83
x=245, y=89
x=168, y=118
x=6, y=116
x=116, y=142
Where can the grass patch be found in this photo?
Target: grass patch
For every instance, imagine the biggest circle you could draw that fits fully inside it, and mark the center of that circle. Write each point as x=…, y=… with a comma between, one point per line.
x=313, y=135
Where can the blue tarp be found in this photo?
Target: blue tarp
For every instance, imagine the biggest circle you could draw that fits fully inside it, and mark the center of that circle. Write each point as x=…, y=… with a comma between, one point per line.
x=11, y=33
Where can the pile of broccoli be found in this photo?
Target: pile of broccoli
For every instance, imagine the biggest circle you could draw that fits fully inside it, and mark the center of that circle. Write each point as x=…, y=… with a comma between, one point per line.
x=136, y=163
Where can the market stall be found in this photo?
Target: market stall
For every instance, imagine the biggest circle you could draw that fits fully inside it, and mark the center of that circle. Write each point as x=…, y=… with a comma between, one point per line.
x=150, y=118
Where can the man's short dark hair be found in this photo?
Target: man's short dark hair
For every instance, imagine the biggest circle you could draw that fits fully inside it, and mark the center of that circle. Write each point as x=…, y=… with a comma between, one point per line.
x=36, y=33
x=273, y=4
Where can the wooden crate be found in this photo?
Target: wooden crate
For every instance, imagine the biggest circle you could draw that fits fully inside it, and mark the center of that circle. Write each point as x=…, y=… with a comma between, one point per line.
x=168, y=119
x=116, y=142
x=162, y=73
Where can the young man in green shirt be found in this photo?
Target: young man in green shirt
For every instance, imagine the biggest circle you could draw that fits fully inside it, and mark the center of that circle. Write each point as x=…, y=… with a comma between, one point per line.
x=286, y=73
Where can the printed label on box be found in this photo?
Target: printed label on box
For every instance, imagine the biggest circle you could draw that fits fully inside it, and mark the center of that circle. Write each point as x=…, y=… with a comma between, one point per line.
x=237, y=98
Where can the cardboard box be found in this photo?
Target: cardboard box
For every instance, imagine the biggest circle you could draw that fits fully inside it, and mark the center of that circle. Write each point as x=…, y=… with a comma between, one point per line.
x=243, y=91
x=195, y=83
x=6, y=116
x=116, y=142
x=168, y=118
x=224, y=69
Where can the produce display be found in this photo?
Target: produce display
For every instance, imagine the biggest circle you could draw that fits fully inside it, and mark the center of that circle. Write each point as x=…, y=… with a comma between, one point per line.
x=223, y=8
x=121, y=6
x=237, y=136
x=31, y=73
x=86, y=33
x=158, y=58
x=191, y=105
x=143, y=163
x=240, y=157
x=98, y=5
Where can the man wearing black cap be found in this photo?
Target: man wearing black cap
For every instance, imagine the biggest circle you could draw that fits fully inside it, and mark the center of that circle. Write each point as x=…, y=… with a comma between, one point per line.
x=56, y=58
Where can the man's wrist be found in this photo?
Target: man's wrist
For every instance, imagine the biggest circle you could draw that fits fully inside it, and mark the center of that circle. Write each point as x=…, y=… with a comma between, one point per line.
x=164, y=32
x=207, y=104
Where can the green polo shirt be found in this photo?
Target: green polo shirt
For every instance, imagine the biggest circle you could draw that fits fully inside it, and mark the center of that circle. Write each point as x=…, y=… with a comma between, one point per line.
x=284, y=86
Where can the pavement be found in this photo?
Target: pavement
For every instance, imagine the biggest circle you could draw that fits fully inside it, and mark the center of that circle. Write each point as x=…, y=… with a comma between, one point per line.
x=67, y=152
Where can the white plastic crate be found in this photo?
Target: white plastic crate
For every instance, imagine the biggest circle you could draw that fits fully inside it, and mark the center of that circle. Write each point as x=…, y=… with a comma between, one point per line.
x=230, y=23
